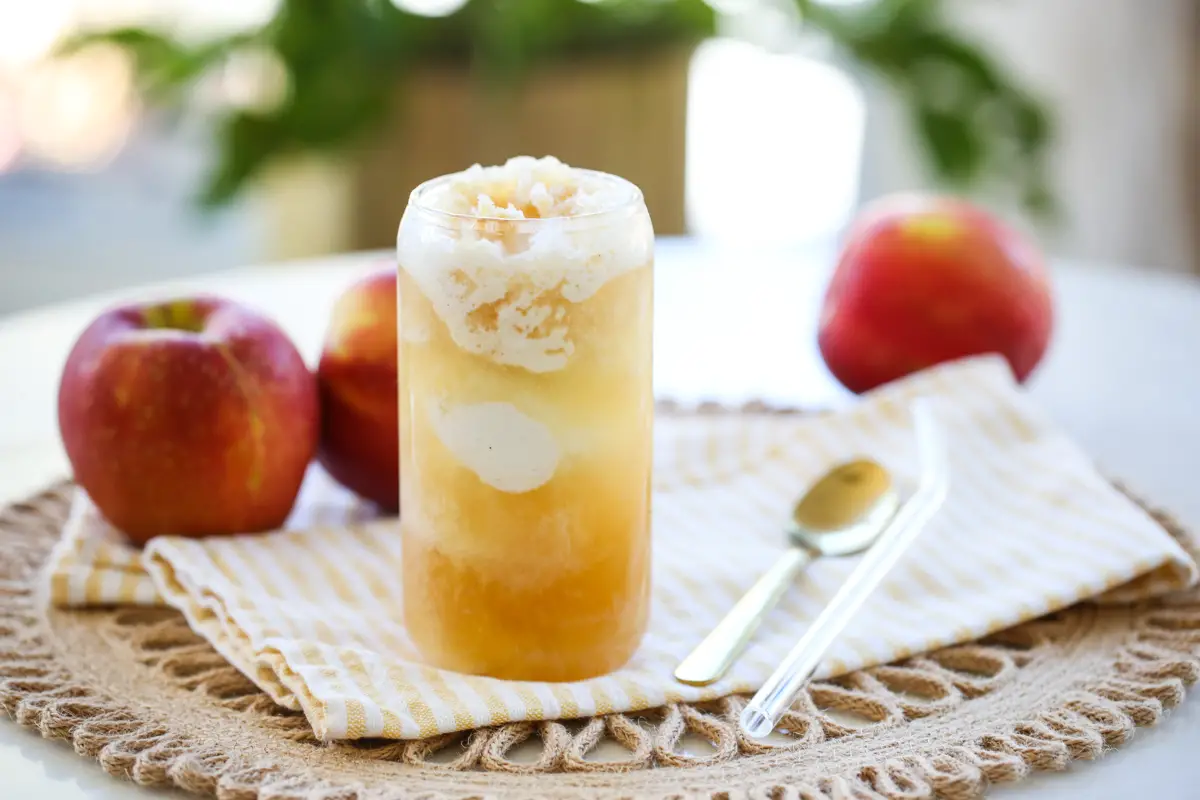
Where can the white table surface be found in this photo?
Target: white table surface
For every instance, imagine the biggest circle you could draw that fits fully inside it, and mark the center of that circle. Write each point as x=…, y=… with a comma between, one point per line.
x=1122, y=376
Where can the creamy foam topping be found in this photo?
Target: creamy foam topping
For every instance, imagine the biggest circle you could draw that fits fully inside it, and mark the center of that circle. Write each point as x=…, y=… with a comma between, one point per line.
x=501, y=282
x=527, y=188
x=508, y=450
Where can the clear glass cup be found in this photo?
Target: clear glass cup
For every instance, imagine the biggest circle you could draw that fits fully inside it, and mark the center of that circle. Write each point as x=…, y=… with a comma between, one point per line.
x=526, y=416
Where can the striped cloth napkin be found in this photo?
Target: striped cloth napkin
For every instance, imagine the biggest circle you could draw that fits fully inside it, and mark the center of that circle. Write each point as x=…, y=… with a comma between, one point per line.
x=312, y=614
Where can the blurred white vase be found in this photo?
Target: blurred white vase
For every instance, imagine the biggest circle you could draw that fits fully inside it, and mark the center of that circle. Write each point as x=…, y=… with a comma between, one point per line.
x=774, y=146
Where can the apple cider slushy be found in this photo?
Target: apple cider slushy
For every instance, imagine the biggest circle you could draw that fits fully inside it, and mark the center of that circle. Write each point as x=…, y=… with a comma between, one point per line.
x=526, y=411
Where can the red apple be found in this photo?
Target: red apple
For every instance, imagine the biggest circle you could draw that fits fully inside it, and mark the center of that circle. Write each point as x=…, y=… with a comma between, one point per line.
x=360, y=435
x=924, y=280
x=191, y=417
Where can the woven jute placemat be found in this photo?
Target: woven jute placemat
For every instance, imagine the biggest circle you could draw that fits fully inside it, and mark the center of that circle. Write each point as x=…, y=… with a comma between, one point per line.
x=138, y=691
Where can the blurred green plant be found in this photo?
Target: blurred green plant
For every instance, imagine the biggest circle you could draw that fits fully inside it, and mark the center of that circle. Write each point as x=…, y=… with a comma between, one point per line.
x=343, y=60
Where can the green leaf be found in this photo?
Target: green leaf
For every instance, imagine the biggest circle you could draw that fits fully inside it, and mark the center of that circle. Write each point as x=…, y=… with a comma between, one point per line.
x=165, y=67
x=951, y=143
x=245, y=142
x=971, y=117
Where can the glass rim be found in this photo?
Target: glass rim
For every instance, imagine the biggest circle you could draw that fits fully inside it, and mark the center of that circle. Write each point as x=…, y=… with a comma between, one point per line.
x=633, y=200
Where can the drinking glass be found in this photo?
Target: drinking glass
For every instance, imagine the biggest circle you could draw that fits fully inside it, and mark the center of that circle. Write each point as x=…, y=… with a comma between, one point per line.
x=526, y=414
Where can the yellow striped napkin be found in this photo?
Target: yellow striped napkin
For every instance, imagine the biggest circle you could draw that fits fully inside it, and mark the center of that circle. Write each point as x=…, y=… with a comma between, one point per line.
x=312, y=614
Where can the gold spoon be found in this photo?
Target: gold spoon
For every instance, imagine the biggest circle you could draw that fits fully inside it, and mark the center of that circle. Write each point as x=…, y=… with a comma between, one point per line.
x=840, y=515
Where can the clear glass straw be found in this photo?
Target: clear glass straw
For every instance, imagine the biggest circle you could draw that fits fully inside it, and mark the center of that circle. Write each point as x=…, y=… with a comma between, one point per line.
x=766, y=708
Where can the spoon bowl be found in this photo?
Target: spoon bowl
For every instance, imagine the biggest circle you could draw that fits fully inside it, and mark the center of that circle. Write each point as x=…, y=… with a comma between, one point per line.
x=844, y=511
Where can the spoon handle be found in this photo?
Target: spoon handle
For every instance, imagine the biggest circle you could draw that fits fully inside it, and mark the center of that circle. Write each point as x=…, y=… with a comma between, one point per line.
x=716, y=653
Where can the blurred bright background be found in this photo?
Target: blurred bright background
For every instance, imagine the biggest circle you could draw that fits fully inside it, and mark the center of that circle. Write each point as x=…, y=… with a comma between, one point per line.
x=755, y=128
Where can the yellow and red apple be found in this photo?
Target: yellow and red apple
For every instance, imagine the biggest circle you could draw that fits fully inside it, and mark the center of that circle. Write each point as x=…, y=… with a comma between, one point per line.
x=922, y=280
x=191, y=417
x=360, y=437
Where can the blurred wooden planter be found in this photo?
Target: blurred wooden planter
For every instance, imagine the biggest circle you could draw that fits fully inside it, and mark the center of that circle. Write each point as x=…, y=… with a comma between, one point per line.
x=620, y=114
